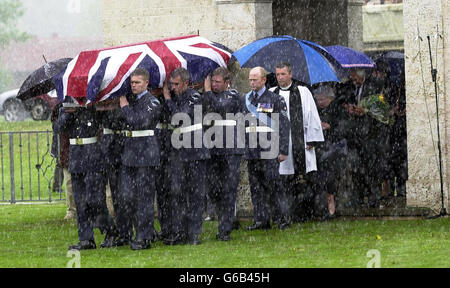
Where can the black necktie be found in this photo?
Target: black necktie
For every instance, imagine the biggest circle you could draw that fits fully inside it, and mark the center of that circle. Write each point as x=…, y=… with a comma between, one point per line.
x=254, y=98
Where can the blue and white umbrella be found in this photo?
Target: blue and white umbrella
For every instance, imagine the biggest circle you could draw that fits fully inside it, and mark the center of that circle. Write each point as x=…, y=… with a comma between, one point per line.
x=350, y=58
x=309, y=65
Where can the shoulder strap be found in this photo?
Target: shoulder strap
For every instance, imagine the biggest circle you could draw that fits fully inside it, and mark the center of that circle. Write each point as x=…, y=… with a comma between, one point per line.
x=252, y=108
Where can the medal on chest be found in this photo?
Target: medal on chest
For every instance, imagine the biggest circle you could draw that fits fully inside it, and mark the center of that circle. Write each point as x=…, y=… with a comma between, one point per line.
x=265, y=107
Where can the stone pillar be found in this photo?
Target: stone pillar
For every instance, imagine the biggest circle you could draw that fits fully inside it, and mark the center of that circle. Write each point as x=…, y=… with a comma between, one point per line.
x=446, y=52
x=426, y=17
x=327, y=22
x=240, y=22
x=355, y=24
x=233, y=23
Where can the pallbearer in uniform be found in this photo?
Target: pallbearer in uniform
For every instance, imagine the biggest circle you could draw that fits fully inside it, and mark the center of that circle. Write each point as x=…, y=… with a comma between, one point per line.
x=140, y=158
x=85, y=167
x=188, y=171
x=111, y=144
x=223, y=167
x=163, y=180
x=269, y=125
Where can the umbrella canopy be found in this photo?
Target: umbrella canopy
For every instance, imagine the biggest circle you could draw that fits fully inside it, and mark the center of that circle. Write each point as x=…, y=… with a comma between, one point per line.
x=396, y=61
x=350, y=58
x=98, y=75
x=40, y=81
x=309, y=65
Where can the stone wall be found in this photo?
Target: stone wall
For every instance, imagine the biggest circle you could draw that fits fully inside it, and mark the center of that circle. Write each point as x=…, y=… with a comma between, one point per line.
x=426, y=17
x=383, y=27
x=230, y=22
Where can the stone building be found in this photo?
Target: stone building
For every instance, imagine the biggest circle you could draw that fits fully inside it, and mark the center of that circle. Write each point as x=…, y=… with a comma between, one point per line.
x=421, y=19
x=235, y=23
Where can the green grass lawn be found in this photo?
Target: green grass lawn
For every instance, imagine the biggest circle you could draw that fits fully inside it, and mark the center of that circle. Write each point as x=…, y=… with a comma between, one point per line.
x=37, y=236
x=26, y=125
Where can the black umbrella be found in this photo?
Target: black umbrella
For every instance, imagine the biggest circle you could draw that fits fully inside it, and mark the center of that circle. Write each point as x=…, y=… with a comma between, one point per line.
x=40, y=81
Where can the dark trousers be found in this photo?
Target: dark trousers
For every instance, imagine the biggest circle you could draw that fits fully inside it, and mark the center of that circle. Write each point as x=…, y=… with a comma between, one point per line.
x=367, y=183
x=301, y=192
x=90, y=201
x=223, y=181
x=187, y=197
x=112, y=175
x=163, y=184
x=264, y=185
x=137, y=193
x=58, y=178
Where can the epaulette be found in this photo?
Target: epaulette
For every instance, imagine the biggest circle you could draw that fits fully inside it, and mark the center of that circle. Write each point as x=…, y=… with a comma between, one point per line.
x=233, y=91
x=195, y=95
x=155, y=100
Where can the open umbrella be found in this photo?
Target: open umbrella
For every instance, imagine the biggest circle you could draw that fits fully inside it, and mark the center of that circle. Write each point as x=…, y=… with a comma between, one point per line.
x=40, y=81
x=98, y=75
x=396, y=61
x=350, y=58
x=309, y=65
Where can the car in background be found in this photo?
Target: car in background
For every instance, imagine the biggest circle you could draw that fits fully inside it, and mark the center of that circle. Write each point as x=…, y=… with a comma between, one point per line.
x=39, y=107
x=12, y=107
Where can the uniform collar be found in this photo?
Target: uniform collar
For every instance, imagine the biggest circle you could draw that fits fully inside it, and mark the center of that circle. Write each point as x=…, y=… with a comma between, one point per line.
x=139, y=96
x=261, y=91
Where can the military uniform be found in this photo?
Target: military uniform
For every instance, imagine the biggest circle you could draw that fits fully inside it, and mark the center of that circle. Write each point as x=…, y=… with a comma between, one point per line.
x=111, y=145
x=223, y=167
x=140, y=157
x=163, y=181
x=188, y=171
x=263, y=173
x=85, y=166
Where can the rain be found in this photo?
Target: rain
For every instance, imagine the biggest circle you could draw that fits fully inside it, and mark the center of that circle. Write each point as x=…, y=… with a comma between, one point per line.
x=223, y=133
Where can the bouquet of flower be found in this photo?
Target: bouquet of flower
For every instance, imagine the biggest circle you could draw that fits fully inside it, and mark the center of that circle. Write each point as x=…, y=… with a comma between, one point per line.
x=377, y=107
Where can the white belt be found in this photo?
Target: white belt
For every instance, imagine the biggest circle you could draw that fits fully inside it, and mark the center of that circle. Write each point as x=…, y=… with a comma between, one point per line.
x=164, y=126
x=224, y=123
x=83, y=141
x=258, y=129
x=188, y=129
x=107, y=131
x=139, y=133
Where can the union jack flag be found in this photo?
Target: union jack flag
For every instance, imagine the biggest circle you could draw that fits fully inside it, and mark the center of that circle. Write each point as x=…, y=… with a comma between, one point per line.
x=101, y=74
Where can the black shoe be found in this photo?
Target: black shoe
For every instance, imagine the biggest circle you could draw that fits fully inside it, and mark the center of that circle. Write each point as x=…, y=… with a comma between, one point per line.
x=223, y=237
x=140, y=244
x=193, y=240
x=174, y=240
x=159, y=236
x=283, y=225
x=259, y=226
x=121, y=242
x=236, y=225
x=84, y=245
x=108, y=242
x=374, y=204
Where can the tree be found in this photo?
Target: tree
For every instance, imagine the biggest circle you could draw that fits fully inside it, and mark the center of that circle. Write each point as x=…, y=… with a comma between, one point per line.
x=10, y=12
